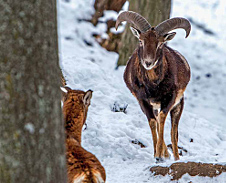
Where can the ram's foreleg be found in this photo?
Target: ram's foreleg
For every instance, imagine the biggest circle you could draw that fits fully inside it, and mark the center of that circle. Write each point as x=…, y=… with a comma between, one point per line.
x=149, y=112
x=166, y=104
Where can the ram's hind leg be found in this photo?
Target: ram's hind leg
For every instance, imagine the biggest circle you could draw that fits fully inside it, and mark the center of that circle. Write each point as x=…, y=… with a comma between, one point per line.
x=175, y=117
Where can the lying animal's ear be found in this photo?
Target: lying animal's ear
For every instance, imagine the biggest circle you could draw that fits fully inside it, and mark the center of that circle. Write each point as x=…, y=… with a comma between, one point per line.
x=87, y=97
x=65, y=89
x=135, y=32
x=169, y=36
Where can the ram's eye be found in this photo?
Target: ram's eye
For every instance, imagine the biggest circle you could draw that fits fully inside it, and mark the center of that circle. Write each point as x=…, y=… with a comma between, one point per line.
x=140, y=42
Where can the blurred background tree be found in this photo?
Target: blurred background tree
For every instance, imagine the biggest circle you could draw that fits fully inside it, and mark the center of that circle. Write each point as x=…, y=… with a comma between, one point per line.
x=155, y=11
x=101, y=5
x=31, y=126
x=113, y=42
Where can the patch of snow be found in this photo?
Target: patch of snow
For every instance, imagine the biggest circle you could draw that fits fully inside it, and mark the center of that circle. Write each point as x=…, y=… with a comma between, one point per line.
x=30, y=127
x=125, y=6
x=108, y=15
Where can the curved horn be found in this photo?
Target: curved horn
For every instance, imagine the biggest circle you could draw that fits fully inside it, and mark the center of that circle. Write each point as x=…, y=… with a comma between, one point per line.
x=140, y=22
x=173, y=23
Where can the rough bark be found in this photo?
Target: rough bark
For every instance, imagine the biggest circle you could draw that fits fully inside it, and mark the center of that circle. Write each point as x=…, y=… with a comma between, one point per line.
x=155, y=11
x=177, y=170
x=31, y=128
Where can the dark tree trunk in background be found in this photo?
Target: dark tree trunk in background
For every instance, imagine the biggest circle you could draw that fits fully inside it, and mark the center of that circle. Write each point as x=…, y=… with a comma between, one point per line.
x=31, y=128
x=155, y=11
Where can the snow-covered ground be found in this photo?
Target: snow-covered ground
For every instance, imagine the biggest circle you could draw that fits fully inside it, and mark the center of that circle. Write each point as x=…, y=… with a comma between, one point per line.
x=109, y=134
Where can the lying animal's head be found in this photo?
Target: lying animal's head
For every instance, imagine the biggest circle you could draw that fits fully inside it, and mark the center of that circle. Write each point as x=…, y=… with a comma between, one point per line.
x=152, y=39
x=76, y=102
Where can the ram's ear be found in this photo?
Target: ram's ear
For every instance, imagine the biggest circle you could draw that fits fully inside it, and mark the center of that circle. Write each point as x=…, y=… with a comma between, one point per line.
x=87, y=97
x=169, y=36
x=135, y=32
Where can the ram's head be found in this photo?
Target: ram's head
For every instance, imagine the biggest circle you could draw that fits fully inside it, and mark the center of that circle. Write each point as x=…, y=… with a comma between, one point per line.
x=151, y=39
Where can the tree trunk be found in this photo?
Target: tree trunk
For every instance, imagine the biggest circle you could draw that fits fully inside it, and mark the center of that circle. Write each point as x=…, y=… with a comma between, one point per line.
x=31, y=127
x=155, y=11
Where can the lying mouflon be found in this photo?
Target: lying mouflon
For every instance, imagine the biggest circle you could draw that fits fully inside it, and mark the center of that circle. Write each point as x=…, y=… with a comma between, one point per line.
x=82, y=166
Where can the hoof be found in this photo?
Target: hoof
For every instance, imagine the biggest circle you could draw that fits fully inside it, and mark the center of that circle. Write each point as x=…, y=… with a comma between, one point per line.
x=159, y=160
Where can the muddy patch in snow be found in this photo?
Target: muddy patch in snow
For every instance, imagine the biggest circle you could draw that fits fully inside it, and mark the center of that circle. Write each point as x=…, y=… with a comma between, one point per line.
x=177, y=170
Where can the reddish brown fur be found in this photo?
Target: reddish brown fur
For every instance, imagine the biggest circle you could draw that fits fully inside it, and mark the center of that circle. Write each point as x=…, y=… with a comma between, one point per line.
x=75, y=113
x=79, y=161
x=163, y=85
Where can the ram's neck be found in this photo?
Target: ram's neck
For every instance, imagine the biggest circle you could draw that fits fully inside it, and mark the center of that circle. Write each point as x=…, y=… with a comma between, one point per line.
x=156, y=74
